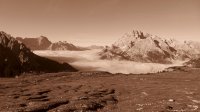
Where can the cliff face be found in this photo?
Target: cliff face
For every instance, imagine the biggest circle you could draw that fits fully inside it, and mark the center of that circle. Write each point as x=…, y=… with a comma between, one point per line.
x=144, y=47
x=16, y=58
x=40, y=43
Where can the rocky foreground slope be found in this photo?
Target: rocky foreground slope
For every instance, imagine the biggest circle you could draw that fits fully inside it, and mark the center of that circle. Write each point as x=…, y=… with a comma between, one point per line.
x=144, y=47
x=16, y=58
x=176, y=91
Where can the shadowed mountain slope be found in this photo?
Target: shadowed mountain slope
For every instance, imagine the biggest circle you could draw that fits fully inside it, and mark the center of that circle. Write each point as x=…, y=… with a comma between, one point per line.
x=16, y=58
x=43, y=43
x=40, y=43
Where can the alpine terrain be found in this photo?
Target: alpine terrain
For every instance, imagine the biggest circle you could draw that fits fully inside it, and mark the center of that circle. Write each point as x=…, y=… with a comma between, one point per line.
x=43, y=43
x=144, y=47
x=16, y=58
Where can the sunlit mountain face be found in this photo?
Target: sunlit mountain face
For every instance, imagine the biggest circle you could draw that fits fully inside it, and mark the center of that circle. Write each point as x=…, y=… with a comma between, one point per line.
x=144, y=47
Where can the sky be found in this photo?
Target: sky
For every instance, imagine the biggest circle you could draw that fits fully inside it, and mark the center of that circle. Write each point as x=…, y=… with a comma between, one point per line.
x=100, y=22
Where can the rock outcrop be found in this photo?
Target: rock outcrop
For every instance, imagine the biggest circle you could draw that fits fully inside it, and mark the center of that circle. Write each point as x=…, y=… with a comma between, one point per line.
x=16, y=58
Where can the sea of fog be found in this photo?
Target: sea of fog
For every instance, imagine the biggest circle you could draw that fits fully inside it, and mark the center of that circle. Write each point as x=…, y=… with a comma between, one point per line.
x=89, y=60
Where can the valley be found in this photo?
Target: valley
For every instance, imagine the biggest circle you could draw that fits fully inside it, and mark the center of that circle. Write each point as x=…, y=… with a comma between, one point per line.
x=99, y=56
x=89, y=60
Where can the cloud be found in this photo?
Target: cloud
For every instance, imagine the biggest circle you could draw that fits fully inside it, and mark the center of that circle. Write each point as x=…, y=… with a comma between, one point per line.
x=89, y=60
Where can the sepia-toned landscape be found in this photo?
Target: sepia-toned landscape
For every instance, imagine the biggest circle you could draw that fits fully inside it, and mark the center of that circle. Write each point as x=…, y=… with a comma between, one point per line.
x=99, y=56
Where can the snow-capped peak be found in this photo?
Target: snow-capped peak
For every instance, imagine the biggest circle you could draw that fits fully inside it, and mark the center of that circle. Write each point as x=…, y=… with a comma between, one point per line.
x=144, y=47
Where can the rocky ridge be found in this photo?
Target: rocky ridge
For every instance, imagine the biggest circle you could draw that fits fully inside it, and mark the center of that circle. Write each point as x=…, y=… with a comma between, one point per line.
x=16, y=58
x=40, y=43
x=43, y=43
x=64, y=46
x=144, y=47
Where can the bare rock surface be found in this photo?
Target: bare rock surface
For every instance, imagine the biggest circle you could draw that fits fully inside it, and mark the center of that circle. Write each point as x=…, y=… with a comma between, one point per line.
x=43, y=43
x=40, y=43
x=144, y=47
x=103, y=92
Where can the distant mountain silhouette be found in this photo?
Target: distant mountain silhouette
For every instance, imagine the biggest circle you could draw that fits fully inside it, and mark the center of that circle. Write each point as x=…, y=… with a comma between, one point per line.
x=63, y=45
x=143, y=47
x=43, y=43
x=16, y=58
x=40, y=43
x=94, y=47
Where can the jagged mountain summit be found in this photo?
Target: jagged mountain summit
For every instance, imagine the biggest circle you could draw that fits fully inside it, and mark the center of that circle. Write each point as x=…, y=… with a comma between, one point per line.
x=144, y=47
x=16, y=58
x=43, y=43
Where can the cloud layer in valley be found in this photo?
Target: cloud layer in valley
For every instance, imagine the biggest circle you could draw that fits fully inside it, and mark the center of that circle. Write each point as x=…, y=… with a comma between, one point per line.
x=89, y=60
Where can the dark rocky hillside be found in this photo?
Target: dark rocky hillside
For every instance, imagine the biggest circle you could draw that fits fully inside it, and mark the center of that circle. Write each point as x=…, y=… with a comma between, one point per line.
x=16, y=58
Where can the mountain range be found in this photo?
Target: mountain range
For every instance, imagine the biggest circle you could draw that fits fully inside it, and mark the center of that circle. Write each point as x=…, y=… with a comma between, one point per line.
x=43, y=43
x=40, y=43
x=144, y=47
x=16, y=55
x=16, y=58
